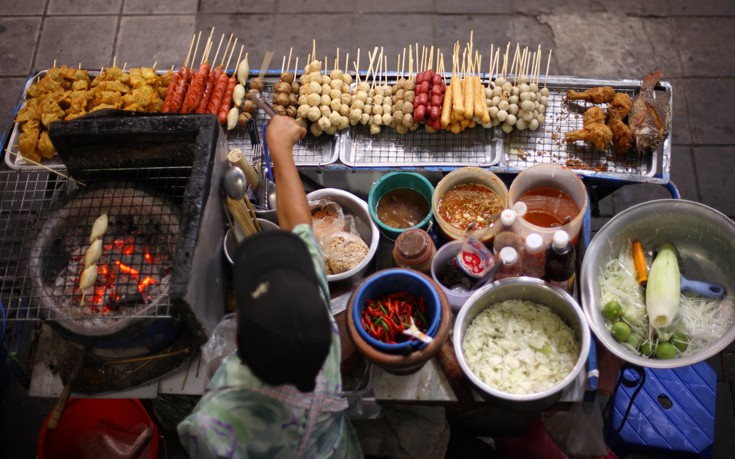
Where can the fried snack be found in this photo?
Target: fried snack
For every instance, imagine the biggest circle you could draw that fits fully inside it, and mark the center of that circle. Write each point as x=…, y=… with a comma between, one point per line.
x=596, y=133
x=618, y=110
x=598, y=95
x=594, y=115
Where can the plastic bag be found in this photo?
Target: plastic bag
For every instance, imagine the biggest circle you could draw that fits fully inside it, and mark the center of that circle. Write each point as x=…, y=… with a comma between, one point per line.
x=220, y=344
x=342, y=246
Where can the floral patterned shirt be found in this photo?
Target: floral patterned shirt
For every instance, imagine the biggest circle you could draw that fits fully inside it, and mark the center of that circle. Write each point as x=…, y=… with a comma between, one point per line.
x=239, y=416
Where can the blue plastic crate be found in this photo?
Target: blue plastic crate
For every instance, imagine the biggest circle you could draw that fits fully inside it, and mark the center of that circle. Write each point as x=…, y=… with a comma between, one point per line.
x=673, y=415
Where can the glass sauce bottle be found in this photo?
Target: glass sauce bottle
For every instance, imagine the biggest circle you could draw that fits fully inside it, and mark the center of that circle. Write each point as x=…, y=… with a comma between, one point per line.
x=561, y=261
x=510, y=264
x=507, y=237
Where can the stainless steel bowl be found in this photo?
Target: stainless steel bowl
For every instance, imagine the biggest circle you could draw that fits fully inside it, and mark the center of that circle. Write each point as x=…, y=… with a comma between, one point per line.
x=705, y=241
x=365, y=226
x=531, y=289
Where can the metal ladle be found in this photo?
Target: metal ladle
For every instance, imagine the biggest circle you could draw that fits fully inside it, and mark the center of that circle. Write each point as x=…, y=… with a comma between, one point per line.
x=234, y=183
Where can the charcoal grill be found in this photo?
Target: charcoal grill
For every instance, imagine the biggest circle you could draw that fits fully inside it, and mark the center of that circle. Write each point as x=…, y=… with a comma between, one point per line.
x=158, y=179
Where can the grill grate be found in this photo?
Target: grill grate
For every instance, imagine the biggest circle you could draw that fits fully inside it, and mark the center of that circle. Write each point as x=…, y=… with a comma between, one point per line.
x=29, y=204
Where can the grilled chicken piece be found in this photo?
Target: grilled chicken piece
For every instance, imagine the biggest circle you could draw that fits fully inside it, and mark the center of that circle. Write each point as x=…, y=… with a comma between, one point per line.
x=598, y=95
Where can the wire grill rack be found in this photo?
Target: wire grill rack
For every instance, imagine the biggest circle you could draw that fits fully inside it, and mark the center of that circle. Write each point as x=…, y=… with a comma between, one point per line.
x=472, y=147
x=28, y=201
x=523, y=149
x=311, y=151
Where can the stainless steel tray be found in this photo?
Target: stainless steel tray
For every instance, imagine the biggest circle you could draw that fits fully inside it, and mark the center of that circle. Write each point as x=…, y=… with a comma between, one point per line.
x=523, y=149
x=419, y=148
x=13, y=158
x=309, y=152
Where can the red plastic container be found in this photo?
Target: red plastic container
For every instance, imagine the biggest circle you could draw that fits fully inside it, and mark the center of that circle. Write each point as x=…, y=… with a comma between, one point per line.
x=85, y=420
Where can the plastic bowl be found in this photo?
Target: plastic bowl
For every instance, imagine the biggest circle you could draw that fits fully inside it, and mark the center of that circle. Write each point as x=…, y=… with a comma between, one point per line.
x=705, y=242
x=449, y=251
x=551, y=176
x=468, y=175
x=390, y=281
x=393, y=181
x=352, y=205
x=523, y=288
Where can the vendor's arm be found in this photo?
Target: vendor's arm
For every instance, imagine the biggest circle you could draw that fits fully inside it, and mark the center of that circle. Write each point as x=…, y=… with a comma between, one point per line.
x=292, y=207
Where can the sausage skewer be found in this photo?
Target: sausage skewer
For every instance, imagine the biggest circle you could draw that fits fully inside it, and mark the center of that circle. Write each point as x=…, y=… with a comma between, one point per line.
x=179, y=79
x=224, y=108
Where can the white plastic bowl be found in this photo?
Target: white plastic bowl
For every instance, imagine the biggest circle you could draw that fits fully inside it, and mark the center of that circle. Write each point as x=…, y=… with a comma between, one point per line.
x=355, y=206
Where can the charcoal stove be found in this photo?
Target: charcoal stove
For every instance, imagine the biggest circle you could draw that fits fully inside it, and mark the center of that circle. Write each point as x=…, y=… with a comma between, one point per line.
x=161, y=277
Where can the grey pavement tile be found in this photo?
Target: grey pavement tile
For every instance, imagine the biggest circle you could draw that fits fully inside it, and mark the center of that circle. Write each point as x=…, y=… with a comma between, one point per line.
x=534, y=7
x=683, y=173
x=18, y=38
x=637, y=193
x=57, y=44
x=724, y=441
x=237, y=6
x=711, y=123
x=77, y=7
x=254, y=31
x=680, y=129
x=656, y=8
x=703, y=42
x=393, y=32
x=529, y=31
x=317, y=6
x=488, y=30
x=11, y=90
x=702, y=8
x=160, y=7
x=331, y=31
x=474, y=7
x=612, y=46
x=728, y=365
x=26, y=7
x=162, y=39
x=715, y=169
x=393, y=6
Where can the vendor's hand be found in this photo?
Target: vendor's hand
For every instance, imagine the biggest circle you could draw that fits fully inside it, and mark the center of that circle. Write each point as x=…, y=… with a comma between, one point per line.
x=283, y=133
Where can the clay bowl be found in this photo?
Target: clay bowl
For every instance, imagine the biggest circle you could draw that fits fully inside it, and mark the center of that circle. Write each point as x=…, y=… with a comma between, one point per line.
x=409, y=358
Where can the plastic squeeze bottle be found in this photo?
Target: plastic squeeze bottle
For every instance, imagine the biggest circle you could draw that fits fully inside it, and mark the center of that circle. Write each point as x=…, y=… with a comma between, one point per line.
x=511, y=264
x=533, y=256
x=561, y=261
x=507, y=237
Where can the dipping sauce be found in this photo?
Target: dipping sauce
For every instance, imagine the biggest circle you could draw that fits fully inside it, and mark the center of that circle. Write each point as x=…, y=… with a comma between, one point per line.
x=402, y=208
x=469, y=202
x=548, y=207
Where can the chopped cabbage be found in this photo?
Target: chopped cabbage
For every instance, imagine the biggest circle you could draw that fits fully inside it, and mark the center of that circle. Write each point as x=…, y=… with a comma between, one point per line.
x=520, y=347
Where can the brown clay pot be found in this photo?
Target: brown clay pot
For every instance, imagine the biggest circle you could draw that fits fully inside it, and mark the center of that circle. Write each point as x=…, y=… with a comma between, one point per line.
x=397, y=363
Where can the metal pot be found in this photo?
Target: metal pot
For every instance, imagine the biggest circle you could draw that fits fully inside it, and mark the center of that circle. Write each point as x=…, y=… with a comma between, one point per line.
x=531, y=289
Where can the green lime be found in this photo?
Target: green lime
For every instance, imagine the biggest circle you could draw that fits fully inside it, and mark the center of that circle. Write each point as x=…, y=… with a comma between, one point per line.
x=665, y=351
x=633, y=341
x=647, y=348
x=621, y=331
x=680, y=341
x=633, y=316
x=612, y=310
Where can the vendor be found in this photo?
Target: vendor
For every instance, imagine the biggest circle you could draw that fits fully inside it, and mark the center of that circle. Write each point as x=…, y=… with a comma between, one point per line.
x=279, y=394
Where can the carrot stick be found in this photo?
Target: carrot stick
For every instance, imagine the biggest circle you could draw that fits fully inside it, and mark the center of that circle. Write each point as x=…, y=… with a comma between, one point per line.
x=640, y=263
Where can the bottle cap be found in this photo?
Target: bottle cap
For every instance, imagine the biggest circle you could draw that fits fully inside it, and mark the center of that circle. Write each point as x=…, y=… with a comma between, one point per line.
x=520, y=208
x=413, y=246
x=561, y=239
x=534, y=242
x=508, y=255
x=508, y=217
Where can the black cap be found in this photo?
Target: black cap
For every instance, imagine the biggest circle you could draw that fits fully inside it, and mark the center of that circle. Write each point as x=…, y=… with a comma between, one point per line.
x=284, y=333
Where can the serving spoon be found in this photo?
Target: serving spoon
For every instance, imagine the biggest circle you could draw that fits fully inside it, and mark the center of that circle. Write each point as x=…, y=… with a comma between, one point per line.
x=708, y=289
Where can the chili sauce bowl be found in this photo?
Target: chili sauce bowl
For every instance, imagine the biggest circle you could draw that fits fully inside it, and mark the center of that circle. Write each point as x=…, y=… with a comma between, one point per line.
x=410, y=355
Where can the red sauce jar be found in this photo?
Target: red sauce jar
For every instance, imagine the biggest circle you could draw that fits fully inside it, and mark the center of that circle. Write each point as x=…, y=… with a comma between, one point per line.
x=414, y=249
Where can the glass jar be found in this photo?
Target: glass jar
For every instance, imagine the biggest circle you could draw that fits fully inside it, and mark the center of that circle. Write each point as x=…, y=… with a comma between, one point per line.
x=414, y=249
